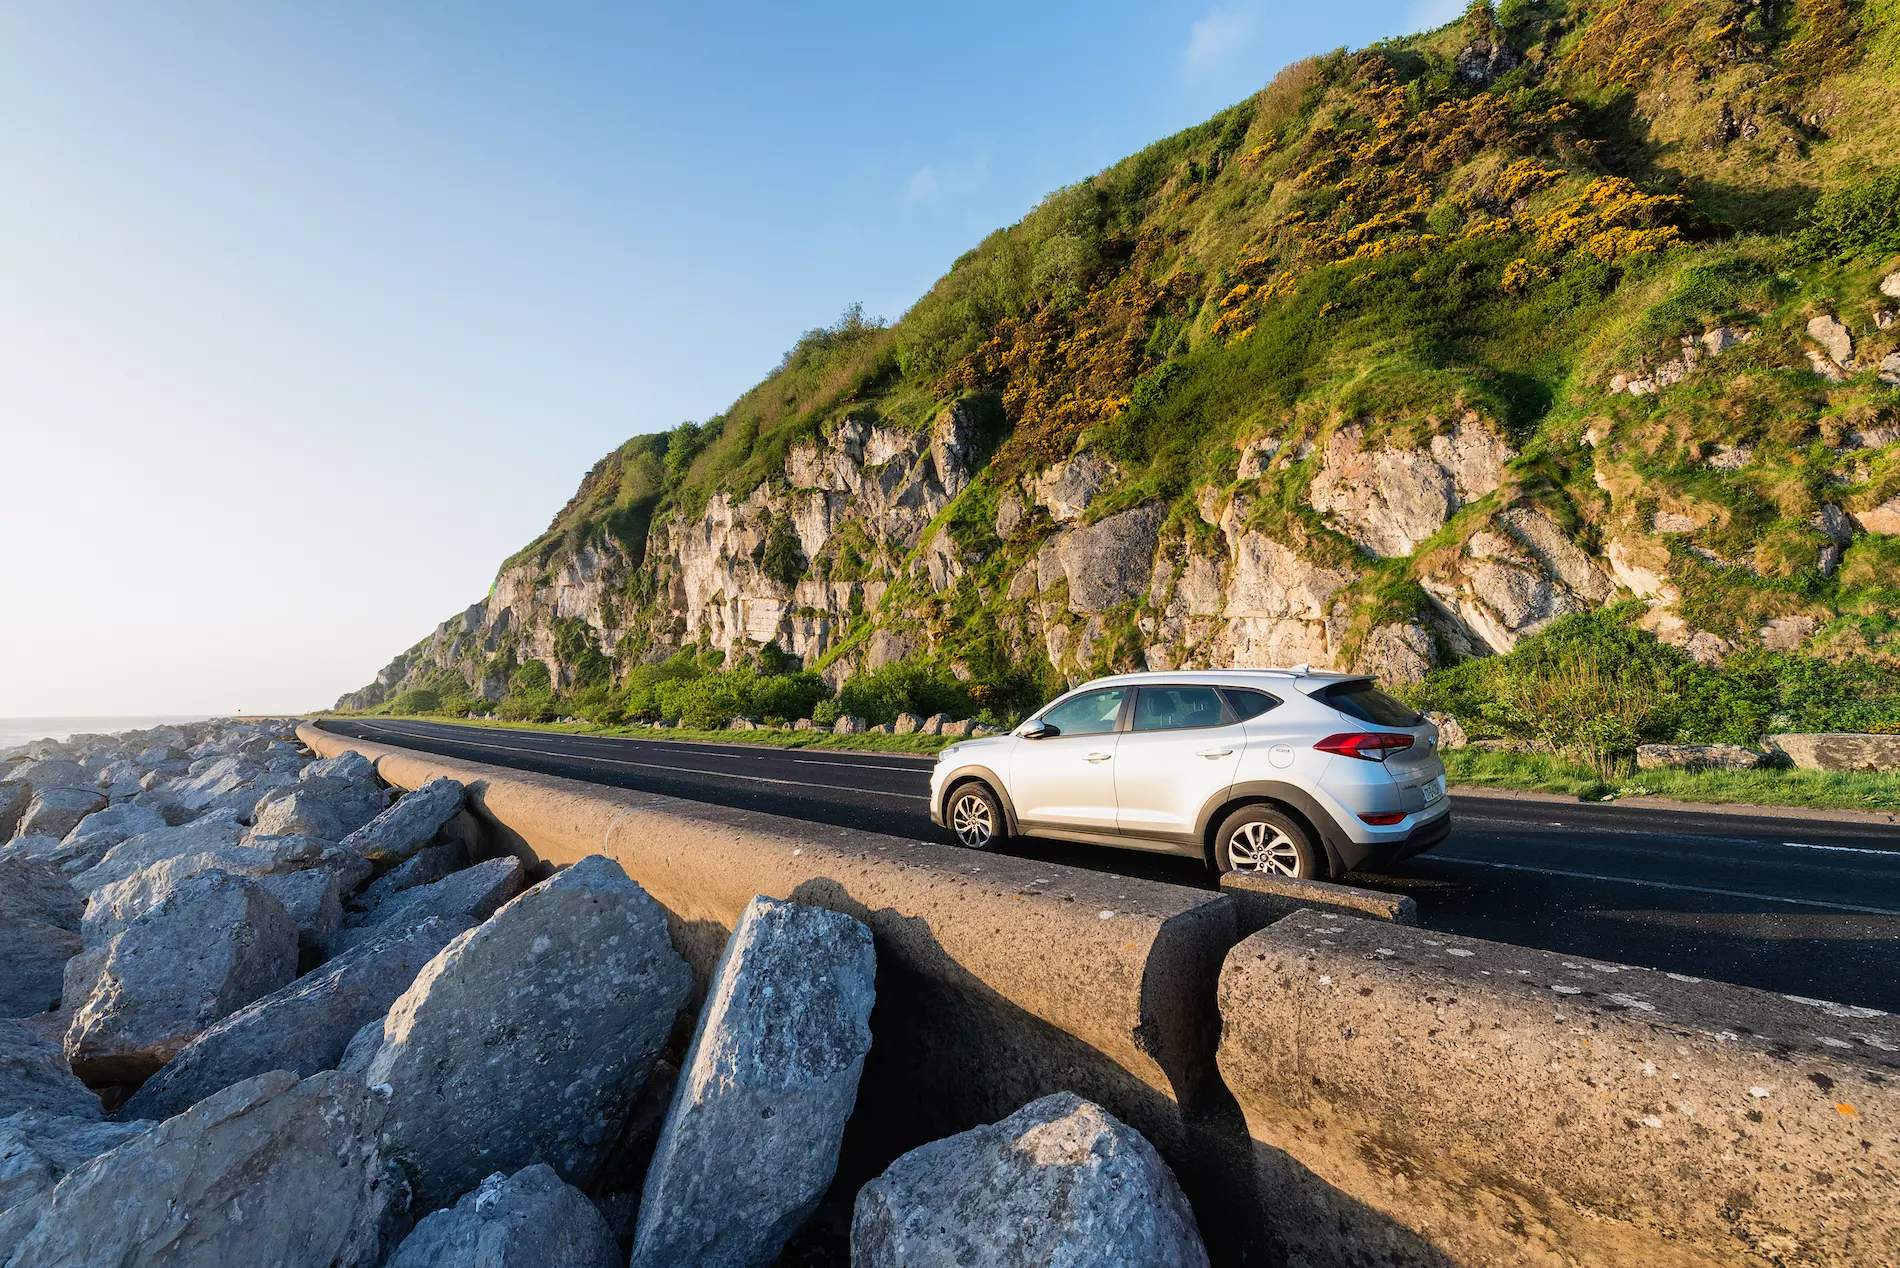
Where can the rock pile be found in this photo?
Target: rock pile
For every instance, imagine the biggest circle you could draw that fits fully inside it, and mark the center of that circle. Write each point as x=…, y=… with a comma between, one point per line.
x=255, y=1008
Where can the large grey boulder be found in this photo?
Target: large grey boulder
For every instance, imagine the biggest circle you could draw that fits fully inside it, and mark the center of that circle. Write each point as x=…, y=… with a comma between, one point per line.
x=37, y=1150
x=100, y=831
x=34, y=1076
x=113, y=907
x=425, y=867
x=33, y=956
x=751, y=1141
x=271, y=1171
x=300, y=811
x=210, y=946
x=528, y=1038
x=473, y=894
x=331, y=799
x=231, y=784
x=1696, y=757
x=314, y=903
x=15, y=797
x=1060, y=1183
x=410, y=824
x=212, y=832
x=52, y=772
x=1840, y=750
x=303, y=1027
x=57, y=811
x=531, y=1219
x=33, y=889
x=120, y=780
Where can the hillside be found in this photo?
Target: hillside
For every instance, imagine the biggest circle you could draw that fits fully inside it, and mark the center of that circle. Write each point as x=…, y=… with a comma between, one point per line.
x=1562, y=309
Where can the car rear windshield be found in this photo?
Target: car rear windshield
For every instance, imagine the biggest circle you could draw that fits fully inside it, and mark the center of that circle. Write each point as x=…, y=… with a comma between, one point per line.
x=1367, y=703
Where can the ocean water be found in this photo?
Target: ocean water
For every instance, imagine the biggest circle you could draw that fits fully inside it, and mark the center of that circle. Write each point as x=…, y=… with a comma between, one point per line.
x=21, y=730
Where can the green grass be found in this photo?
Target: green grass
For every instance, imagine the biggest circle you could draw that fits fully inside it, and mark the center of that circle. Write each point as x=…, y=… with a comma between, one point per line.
x=1530, y=772
x=766, y=739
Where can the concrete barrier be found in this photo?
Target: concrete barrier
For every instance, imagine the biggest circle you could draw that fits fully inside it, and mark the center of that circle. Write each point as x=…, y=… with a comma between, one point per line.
x=1420, y=1098
x=999, y=979
x=1261, y=899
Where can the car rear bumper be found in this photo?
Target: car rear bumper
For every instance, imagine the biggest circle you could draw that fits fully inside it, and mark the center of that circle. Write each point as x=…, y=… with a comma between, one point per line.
x=1423, y=836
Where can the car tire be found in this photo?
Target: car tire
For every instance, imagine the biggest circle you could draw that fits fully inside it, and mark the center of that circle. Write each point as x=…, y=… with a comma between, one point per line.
x=975, y=816
x=1262, y=839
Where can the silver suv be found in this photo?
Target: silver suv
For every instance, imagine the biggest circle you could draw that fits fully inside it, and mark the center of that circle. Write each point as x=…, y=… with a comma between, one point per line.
x=1270, y=770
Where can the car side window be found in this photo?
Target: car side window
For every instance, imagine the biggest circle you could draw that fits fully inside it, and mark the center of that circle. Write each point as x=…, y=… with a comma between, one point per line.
x=1176, y=708
x=1248, y=704
x=1091, y=713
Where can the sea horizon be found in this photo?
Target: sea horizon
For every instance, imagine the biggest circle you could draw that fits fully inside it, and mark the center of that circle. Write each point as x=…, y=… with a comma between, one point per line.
x=24, y=730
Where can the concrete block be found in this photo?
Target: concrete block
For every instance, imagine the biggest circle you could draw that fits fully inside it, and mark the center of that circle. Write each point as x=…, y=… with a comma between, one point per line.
x=1416, y=1098
x=1260, y=899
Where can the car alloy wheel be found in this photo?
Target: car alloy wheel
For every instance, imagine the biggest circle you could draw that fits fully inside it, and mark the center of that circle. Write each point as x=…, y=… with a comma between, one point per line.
x=1263, y=847
x=973, y=820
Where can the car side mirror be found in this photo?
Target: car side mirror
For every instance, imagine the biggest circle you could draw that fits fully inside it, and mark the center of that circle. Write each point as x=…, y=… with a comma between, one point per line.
x=1038, y=731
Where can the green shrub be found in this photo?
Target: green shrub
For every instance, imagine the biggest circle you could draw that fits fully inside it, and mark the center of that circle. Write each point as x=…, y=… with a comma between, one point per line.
x=899, y=687
x=1863, y=219
x=783, y=560
x=530, y=695
x=708, y=701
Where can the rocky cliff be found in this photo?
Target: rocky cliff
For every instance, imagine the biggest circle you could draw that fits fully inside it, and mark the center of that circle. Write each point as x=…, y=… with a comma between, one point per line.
x=1415, y=351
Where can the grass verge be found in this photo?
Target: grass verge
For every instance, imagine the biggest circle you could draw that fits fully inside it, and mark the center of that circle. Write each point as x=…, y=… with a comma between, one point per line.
x=1530, y=772
x=924, y=744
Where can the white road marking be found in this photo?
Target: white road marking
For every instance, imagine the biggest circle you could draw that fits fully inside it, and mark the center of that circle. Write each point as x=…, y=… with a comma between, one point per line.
x=1696, y=838
x=733, y=752
x=1693, y=889
x=620, y=761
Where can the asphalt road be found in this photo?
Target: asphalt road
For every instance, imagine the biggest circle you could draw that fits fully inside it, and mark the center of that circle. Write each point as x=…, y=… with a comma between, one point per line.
x=1805, y=906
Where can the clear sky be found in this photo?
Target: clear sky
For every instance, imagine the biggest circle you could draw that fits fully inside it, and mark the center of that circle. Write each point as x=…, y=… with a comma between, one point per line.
x=312, y=313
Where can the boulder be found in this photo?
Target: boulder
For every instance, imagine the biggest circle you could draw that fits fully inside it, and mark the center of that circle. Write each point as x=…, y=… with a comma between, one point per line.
x=528, y=1038
x=37, y=1150
x=473, y=894
x=1696, y=757
x=959, y=728
x=271, y=1171
x=314, y=904
x=848, y=725
x=34, y=1077
x=300, y=811
x=15, y=797
x=1839, y=750
x=425, y=867
x=212, y=832
x=410, y=824
x=120, y=780
x=303, y=1027
x=1059, y=1182
x=1834, y=338
x=113, y=907
x=210, y=946
x=53, y=772
x=230, y=783
x=1890, y=285
x=33, y=956
x=750, y=1143
x=802, y=724
x=100, y=831
x=361, y=1049
x=1450, y=734
x=55, y=812
x=32, y=889
x=906, y=724
x=528, y=1220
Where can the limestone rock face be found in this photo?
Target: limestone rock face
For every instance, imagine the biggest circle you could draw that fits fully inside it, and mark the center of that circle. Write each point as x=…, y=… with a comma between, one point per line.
x=1106, y=563
x=212, y=945
x=751, y=1141
x=34, y=1077
x=271, y=1171
x=303, y=1027
x=55, y=812
x=1059, y=1182
x=530, y=1219
x=472, y=894
x=1066, y=489
x=37, y=1150
x=1515, y=577
x=1390, y=500
x=528, y=1038
x=410, y=824
x=1839, y=751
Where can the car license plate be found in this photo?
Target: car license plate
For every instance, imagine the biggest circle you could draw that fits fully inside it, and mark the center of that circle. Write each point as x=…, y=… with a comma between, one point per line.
x=1434, y=790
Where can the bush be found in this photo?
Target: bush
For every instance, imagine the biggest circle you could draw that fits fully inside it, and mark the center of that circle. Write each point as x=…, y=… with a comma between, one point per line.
x=783, y=559
x=1861, y=219
x=708, y=701
x=900, y=687
x=530, y=695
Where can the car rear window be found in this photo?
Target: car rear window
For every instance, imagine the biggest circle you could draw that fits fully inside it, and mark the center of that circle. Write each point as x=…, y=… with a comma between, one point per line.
x=1248, y=704
x=1176, y=708
x=1367, y=703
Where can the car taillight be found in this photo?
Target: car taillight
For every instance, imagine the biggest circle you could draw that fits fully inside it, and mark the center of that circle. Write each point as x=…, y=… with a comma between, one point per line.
x=1384, y=819
x=1367, y=746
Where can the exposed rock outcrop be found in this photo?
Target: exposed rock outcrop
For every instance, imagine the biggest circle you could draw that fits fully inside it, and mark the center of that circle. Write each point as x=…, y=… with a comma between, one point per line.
x=1390, y=499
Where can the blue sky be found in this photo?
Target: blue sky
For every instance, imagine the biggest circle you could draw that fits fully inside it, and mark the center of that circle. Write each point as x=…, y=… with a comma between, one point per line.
x=310, y=314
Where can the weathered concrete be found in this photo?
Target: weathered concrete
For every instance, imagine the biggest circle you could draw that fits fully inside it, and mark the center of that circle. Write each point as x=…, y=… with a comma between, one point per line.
x=1260, y=899
x=975, y=1017
x=1424, y=1099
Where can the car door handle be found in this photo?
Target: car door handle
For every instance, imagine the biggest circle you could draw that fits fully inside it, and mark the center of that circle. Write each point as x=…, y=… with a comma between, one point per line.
x=1096, y=757
x=1217, y=752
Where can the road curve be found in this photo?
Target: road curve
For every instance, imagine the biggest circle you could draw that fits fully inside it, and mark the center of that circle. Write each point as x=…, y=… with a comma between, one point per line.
x=1805, y=906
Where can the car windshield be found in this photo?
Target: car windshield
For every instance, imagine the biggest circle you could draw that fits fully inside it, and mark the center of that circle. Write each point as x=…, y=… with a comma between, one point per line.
x=1361, y=700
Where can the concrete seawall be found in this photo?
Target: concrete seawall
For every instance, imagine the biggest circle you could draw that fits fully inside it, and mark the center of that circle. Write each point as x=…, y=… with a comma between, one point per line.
x=1383, y=1095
